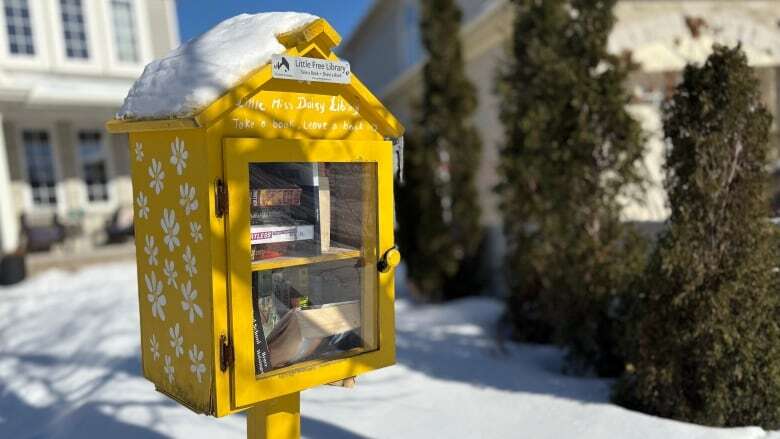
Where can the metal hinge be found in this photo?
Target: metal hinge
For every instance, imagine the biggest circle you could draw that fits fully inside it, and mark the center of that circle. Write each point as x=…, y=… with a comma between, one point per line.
x=398, y=158
x=220, y=198
x=226, y=355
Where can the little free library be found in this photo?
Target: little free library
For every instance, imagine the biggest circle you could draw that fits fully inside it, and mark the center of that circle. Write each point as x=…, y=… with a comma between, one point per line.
x=263, y=218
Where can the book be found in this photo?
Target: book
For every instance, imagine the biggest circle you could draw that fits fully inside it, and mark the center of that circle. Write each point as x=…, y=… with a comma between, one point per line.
x=273, y=197
x=284, y=208
x=275, y=293
x=278, y=215
x=269, y=251
x=262, y=352
x=302, y=333
x=283, y=233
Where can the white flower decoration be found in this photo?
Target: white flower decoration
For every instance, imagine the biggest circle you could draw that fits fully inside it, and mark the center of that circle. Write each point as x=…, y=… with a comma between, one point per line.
x=139, y=151
x=155, y=295
x=196, y=358
x=169, y=370
x=151, y=250
x=170, y=229
x=196, y=232
x=177, y=340
x=190, y=263
x=170, y=273
x=188, y=304
x=187, y=198
x=179, y=155
x=154, y=346
x=143, y=205
x=158, y=175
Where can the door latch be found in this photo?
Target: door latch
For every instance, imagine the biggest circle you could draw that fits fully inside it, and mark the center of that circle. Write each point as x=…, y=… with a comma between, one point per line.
x=389, y=260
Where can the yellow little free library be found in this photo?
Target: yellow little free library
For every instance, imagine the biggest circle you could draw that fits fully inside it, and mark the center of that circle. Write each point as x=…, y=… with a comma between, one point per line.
x=263, y=216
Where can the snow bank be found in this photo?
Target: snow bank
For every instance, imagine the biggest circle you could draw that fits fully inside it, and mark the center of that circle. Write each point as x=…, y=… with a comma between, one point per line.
x=70, y=368
x=202, y=69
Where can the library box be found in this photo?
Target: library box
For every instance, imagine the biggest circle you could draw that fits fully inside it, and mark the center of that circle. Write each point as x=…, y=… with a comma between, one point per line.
x=264, y=233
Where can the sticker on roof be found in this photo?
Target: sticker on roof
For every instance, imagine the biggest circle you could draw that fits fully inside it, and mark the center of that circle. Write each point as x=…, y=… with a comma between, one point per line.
x=310, y=69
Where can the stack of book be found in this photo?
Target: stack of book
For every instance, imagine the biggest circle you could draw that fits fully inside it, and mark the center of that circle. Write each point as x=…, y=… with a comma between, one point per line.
x=284, y=202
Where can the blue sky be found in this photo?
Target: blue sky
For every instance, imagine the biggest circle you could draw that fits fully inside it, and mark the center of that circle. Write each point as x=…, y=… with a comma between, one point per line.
x=198, y=16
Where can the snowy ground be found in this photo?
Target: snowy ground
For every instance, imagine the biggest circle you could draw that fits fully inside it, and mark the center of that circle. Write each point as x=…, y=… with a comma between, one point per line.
x=69, y=368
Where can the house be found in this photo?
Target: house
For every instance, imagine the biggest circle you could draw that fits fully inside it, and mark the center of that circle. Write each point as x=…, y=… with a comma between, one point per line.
x=65, y=68
x=661, y=35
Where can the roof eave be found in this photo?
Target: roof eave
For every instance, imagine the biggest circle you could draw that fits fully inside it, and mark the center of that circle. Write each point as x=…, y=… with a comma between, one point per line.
x=318, y=37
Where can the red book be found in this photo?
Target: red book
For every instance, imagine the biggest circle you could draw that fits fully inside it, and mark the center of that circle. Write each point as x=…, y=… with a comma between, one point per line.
x=276, y=197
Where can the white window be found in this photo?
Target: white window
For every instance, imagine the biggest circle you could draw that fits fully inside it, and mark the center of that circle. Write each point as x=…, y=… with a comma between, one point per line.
x=93, y=164
x=19, y=27
x=39, y=158
x=413, y=41
x=74, y=29
x=124, y=30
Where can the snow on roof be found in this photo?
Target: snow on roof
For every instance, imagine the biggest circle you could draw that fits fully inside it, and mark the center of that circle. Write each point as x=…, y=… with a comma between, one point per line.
x=199, y=71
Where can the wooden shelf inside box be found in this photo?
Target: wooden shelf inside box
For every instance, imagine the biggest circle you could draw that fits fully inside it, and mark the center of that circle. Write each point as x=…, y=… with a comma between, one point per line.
x=334, y=254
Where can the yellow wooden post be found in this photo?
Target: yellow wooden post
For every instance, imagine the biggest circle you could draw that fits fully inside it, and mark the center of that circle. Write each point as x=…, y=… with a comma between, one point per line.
x=278, y=418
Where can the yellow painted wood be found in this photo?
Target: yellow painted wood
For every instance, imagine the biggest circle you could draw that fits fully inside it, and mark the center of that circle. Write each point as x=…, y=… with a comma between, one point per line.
x=368, y=329
x=278, y=418
x=131, y=126
x=320, y=31
x=174, y=263
x=356, y=93
x=239, y=153
x=297, y=111
x=303, y=122
x=334, y=254
x=319, y=34
x=213, y=167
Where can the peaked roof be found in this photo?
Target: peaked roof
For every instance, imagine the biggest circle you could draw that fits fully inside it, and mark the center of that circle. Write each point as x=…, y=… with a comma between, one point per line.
x=316, y=38
x=196, y=73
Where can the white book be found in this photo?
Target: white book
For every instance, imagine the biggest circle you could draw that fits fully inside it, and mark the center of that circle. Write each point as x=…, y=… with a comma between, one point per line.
x=273, y=234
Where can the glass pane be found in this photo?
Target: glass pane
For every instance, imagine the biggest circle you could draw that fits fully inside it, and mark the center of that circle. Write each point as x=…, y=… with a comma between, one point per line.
x=124, y=30
x=93, y=165
x=19, y=27
x=313, y=240
x=74, y=29
x=40, y=166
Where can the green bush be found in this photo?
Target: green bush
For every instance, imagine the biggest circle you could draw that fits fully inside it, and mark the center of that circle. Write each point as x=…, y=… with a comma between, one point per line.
x=439, y=212
x=571, y=151
x=707, y=346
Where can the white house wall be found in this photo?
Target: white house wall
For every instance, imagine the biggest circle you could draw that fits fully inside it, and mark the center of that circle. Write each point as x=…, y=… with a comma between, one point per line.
x=378, y=60
x=71, y=190
x=162, y=26
x=154, y=25
x=49, y=91
x=472, y=9
x=485, y=35
x=482, y=72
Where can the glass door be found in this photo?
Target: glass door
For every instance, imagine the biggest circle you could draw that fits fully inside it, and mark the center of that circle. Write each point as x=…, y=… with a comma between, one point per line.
x=303, y=234
x=313, y=236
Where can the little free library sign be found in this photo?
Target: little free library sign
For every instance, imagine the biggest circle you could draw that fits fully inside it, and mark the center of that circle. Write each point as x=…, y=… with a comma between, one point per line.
x=264, y=236
x=310, y=69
